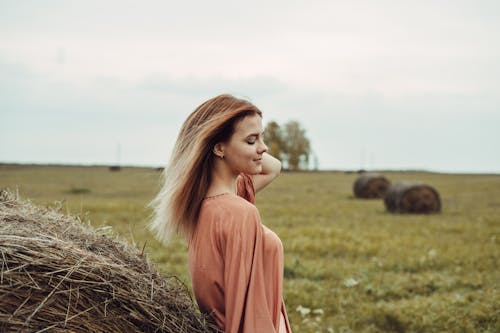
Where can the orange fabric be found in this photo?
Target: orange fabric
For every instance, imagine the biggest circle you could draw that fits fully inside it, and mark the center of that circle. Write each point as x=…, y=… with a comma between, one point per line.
x=236, y=264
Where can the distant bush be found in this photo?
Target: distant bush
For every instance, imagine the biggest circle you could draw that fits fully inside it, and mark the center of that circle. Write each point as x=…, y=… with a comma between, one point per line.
x=78, y=190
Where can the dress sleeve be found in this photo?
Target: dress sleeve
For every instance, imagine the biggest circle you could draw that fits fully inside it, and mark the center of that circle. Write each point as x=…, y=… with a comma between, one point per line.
x=244, y=187
x=246, y=304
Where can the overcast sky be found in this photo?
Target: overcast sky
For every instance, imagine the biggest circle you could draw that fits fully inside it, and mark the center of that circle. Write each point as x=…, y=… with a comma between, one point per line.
x=376, y=84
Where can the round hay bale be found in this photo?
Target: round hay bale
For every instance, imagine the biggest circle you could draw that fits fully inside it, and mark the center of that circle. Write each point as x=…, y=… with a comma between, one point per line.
x=57, y=274
x=412, y=198
x=370, y=186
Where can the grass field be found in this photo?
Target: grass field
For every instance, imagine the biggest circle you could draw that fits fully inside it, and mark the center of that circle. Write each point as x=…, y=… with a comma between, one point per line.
x=350, y=266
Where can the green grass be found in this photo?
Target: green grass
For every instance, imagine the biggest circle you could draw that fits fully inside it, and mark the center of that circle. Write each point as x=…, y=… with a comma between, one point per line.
x=350, y=266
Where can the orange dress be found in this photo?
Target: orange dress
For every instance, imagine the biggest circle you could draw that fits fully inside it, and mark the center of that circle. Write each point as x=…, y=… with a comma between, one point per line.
x=236, y=264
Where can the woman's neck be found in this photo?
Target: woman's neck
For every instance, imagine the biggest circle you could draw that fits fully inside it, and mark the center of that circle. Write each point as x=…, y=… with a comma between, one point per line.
x=223, y=180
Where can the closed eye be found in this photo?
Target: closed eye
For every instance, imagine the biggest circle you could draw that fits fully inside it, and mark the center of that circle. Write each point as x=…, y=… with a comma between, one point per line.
x=252, y=139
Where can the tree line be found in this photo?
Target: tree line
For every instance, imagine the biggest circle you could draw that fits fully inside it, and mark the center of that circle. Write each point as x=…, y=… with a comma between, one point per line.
x=289, y=144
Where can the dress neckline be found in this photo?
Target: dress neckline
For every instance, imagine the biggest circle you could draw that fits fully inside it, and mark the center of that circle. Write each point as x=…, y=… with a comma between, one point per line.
x=216, y=196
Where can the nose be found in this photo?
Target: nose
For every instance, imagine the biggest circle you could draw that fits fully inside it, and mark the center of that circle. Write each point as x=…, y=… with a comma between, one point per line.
x=262, y=147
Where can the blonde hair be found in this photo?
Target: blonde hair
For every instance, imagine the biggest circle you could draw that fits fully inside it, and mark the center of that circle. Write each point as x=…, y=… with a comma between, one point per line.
x=188, y=173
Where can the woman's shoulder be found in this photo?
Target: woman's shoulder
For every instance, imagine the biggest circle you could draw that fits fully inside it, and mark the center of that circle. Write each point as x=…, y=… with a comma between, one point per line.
x=228, y=209
x=228, y=203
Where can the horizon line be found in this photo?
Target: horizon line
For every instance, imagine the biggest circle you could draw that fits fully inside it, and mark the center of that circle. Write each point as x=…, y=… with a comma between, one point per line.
x=345, y=170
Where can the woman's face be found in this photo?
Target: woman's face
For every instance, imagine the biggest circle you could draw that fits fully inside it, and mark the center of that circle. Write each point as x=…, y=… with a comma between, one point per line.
x=243, y=152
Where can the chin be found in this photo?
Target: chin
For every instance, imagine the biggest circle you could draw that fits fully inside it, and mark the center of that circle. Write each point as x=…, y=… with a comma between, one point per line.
x=257, y=170
x=253, y=171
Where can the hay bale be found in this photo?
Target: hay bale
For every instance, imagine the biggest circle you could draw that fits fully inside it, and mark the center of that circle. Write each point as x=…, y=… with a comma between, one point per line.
x=57, y=274
x=412, y=198
x=370, y=186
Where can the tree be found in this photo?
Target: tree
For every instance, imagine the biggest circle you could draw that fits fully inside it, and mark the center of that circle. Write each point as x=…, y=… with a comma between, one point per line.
x=273, y=137
x=296, y=145
x=289, y=144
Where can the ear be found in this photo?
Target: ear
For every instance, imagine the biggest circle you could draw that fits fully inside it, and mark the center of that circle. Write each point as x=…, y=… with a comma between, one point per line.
x=218, y=150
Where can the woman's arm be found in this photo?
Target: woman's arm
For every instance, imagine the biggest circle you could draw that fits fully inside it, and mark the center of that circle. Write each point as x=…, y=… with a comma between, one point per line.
x=271, y=168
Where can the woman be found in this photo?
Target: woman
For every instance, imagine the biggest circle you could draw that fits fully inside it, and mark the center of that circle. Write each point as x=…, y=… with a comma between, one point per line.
x=218, y=164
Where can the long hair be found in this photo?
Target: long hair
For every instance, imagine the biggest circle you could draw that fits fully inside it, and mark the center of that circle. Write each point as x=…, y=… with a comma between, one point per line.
x=187, y=175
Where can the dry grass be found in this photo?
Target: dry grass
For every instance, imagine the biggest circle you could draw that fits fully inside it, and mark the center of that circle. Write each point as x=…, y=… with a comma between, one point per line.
x=58, y=275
